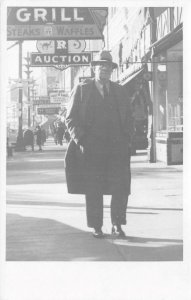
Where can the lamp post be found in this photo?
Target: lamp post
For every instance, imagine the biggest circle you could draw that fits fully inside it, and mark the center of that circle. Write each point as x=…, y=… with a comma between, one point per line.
x=28, y=72
x=19, y=143
x=34, y=95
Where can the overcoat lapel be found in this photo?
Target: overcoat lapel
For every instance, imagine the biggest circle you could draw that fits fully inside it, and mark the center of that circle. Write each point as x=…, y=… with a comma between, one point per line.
x=117, y=92
x=86, y=90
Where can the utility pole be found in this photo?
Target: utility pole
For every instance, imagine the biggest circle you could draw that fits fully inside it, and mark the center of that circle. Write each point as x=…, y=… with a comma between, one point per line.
x=28, y=72
x=34, y=95
x=19, y=144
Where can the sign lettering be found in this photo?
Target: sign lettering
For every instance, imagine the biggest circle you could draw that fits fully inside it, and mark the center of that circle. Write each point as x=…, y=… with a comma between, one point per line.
x=41, y=59
x=48, y=15
x=60, y=46
x=48, y=111
x=37, y=23
x=58, y=97
x=38, y=102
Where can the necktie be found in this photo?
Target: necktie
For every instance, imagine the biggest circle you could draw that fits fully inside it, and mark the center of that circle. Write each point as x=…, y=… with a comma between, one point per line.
x=105, y=91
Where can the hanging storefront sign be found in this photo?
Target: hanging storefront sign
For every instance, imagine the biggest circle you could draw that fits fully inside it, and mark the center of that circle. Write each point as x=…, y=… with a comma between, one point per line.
x=50, y=105
x=46, y=46
x=76, y=46
x=38, y=23
x=48, y=111
x=58, y=97
x=39, y=102
x=60, y=46
x=44, y=60
x=81, y=79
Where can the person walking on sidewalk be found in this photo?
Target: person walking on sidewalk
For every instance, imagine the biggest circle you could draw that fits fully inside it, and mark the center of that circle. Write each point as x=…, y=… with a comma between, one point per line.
x=38, y=133
x=28, y=138
x=60, y=133
x=100, y=124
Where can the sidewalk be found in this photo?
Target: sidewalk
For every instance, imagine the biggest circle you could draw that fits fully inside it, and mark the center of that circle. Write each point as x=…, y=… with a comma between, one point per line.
x=45, y=223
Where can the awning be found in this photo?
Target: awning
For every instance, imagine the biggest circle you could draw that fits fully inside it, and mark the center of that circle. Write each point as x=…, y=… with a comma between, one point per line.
x=127, y=79
x=168, y=41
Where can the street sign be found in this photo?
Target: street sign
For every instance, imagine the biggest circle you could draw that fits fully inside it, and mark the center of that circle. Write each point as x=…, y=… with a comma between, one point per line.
x=48, y=111
x=50, y=105
x=59, y=97
x=39, y=102
x=81, y=79
x=44, y=98
x=38, y=23
x=44, y=60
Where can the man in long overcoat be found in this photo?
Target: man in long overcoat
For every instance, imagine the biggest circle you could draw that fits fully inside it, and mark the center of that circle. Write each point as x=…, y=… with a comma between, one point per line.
x=97, y=161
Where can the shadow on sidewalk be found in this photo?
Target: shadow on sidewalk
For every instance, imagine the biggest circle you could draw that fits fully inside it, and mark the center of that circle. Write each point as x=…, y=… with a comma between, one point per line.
x=37, y=239
x=74, y=204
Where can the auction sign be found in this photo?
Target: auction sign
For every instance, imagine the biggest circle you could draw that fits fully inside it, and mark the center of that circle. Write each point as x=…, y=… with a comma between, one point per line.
x=50, y=60
x=38, y=23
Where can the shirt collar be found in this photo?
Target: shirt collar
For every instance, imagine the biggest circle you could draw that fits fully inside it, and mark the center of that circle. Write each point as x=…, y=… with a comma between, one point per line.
x=100, y=85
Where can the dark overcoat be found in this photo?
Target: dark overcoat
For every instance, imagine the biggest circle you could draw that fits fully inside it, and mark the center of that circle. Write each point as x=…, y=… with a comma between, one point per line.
x=28, y=137
x=38, y=134
x=78, y=119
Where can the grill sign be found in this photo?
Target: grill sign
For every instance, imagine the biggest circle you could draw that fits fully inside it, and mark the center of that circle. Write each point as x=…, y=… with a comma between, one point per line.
x=37, y=23
x=44, y=60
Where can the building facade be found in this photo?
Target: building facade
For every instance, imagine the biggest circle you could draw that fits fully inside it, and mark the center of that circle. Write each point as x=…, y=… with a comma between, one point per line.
x=147, y=44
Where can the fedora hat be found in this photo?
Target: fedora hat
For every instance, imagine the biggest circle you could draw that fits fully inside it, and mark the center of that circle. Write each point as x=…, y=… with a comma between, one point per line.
x=102, y=57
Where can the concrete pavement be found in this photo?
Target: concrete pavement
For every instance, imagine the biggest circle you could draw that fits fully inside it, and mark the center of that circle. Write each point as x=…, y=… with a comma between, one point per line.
x=45, y=223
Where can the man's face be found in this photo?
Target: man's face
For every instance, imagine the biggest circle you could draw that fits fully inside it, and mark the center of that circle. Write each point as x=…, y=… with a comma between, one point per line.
x=103, y=71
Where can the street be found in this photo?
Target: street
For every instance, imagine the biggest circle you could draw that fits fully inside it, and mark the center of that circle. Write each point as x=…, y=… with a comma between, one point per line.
x=45, y=223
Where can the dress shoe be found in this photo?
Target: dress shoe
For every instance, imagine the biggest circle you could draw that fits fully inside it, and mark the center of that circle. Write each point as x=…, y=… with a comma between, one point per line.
x=98, y=233
x=117, y=231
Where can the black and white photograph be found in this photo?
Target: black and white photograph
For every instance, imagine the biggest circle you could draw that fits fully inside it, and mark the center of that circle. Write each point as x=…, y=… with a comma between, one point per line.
x=93, y=158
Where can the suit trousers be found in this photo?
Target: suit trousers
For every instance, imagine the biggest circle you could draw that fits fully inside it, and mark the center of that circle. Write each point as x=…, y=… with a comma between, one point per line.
x=105, y=167
x=94, y=209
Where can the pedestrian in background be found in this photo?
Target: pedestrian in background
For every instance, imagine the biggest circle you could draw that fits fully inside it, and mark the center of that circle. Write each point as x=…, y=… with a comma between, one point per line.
x=28, y=138
x=100, y=124
x=60, y=133
x=54, y=134
x=38, y=133
x=43, y=136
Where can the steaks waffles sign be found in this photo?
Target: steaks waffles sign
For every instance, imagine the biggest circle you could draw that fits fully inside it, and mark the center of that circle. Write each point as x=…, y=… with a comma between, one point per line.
x=37, y=23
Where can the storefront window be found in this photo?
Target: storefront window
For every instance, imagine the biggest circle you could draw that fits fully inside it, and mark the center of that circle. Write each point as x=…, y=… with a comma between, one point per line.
x=175, y=116
x=177, y=16
x=175, y=89
x=170, y=90
x=163, y=24
x=162, y=92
